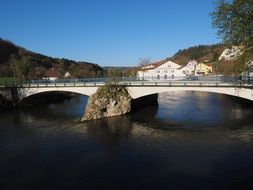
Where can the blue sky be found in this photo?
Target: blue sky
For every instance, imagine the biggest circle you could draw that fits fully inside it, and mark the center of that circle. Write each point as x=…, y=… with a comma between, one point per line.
x=107, y=32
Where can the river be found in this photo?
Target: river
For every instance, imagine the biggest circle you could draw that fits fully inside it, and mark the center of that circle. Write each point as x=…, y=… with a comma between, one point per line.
x=192, y=140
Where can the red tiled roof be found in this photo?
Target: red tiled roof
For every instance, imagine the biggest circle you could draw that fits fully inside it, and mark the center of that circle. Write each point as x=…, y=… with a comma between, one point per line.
x=159, y=63
x=52, y=73
x=155, y=65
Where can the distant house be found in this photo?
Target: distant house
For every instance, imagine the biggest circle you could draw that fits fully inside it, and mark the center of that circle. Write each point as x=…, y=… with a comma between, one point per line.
x=52, y=74
x=192, y=64
x=67, y=74
x=189, y=68
x=203, y=69
x=161, y=70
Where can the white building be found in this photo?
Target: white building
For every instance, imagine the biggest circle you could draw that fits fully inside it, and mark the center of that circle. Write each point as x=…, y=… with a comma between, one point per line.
x=162, y=70
x=192, y=64
x=189, y=69
x=67, y=74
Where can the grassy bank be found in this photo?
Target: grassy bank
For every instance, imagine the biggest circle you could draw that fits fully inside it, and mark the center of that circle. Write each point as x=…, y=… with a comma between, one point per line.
x=8, y=81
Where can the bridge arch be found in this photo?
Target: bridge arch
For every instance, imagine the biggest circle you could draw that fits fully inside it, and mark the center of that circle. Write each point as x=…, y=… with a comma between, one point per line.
x=27, y=92
x=138, y=92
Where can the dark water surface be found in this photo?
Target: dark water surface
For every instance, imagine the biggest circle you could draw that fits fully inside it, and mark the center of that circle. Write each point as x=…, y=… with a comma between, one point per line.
x=191, y=141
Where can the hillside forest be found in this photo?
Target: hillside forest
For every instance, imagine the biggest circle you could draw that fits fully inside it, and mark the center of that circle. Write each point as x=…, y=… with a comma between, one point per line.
x=29, y=65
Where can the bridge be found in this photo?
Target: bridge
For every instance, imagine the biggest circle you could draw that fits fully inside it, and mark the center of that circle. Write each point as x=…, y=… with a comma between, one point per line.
x=138, y=88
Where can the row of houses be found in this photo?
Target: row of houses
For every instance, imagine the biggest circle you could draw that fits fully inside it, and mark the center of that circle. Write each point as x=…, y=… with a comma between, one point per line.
x=53, y=74
x=167, y=69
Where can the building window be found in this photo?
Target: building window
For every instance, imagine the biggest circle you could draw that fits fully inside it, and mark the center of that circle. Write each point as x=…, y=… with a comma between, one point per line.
x=169, y=66
x=165, y=77
x=158, y=76
x=158, y=71
x=172, y=71
x=165, y=71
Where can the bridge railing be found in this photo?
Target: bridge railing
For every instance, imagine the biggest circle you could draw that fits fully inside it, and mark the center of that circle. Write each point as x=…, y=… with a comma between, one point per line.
x=189, y=80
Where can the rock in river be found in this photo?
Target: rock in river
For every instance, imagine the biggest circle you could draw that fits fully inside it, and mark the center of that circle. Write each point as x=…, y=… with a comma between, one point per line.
x=109, y=100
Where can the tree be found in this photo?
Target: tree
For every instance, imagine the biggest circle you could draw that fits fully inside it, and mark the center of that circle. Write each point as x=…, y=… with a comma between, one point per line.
x=5, y=71
x=143, y=62
x=234, y=21
x=20, y=65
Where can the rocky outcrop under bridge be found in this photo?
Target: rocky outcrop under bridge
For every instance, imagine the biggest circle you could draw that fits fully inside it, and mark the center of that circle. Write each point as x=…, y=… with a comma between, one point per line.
x=109, y=100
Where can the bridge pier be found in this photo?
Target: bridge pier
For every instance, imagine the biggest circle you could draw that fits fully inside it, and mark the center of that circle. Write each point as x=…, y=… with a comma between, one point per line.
x=149, y=100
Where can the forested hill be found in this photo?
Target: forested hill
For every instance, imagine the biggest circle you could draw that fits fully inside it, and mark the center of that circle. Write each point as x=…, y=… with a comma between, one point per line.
x=30, y=65
x=201, y=53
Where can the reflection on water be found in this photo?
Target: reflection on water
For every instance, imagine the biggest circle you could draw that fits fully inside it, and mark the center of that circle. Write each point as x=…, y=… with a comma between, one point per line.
x=109, y=130
x=192, y=140
x=201, y=109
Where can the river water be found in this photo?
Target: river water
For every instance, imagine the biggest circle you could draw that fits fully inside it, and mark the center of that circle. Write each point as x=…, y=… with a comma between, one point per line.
x=192, y=140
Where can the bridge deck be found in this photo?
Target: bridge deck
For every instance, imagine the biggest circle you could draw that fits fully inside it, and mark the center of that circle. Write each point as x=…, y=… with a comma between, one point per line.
x=212, y=80
x=141, y=83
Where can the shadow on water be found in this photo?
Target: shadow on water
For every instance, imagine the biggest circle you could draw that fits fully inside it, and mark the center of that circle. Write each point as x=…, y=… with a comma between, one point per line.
x=63, y=109
x=148, y=116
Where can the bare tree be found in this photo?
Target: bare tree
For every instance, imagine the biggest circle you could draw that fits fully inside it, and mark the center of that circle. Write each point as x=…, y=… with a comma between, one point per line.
x=144, y=62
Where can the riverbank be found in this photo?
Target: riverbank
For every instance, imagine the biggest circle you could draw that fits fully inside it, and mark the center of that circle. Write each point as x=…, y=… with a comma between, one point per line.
x=6, y=104
x=44, y=98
